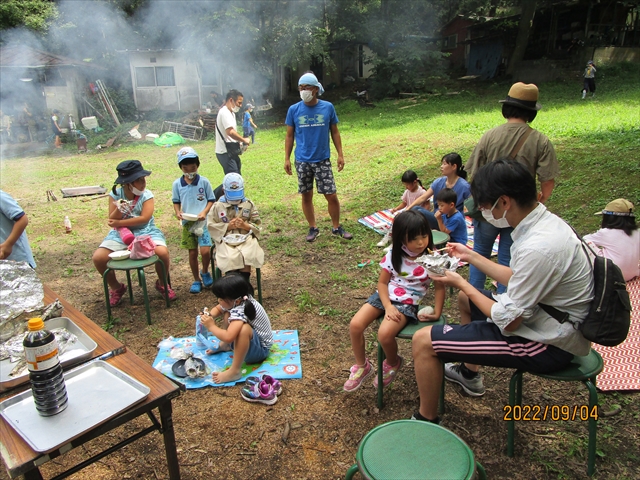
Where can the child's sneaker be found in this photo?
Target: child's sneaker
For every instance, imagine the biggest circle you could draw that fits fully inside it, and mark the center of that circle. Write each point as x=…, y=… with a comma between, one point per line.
x=207, y=279
x=115, y=296
x=389, y=372
x=160, y=288
x=385, y=240
x=357, y=377
x=276, y=384
x=259, y=393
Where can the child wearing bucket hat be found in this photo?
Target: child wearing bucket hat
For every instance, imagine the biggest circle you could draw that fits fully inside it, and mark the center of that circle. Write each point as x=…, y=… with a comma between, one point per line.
x=517, y=140
x=618, y=238
x=234, y=225
x=589, y=84
x=130, y=188
x=192, y=195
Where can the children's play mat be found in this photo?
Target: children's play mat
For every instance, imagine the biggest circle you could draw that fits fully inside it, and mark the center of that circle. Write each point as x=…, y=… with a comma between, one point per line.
x=381, y=222
x=282, y=363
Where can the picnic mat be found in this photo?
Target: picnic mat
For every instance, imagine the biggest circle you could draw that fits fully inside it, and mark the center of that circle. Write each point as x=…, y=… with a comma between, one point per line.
x=622, y=363
x=381, y=223
x=283, y=361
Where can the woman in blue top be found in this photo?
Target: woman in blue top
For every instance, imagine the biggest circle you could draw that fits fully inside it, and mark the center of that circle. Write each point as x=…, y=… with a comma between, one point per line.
x=453, y=176
x=130, y=206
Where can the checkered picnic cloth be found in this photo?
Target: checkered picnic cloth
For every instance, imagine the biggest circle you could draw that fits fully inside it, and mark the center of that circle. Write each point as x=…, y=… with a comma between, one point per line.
x=622, y=363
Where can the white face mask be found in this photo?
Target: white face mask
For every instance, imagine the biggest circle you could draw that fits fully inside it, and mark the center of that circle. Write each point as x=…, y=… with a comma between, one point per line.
x=306, y=96
x=191, y=175
x=234, y=202
x=496, y=222
x=235, y=109
x=135, y=191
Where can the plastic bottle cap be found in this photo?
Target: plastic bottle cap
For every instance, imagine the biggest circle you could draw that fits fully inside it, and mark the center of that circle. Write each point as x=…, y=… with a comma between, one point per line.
x=35, y=324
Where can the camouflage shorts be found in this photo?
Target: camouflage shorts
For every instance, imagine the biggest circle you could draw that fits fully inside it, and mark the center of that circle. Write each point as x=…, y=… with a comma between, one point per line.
x=321, y=171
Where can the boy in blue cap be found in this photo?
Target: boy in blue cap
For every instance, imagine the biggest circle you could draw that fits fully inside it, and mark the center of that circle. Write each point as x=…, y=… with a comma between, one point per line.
x=192, y=194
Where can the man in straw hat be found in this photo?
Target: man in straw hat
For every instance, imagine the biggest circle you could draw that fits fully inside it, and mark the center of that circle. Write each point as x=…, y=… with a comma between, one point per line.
x=513, y=139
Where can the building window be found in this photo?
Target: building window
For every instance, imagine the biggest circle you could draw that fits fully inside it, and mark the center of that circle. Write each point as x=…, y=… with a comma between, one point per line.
x=450, y=42
x=155, y=76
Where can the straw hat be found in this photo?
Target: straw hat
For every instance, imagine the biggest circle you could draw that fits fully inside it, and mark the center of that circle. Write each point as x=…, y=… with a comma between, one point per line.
x=619, y=207
x=523, y=95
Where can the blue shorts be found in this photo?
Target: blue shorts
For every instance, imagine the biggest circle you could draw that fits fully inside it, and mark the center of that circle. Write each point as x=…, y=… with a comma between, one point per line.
x=205, y=339
x=409, y=311
x=482, y=343
x=257, y=353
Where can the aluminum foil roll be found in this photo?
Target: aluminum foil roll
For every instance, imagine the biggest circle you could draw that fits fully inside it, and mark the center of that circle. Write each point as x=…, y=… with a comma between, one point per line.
x=20, y=291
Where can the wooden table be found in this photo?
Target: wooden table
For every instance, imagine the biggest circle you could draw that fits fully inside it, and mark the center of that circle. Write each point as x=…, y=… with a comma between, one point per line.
x=20, y=459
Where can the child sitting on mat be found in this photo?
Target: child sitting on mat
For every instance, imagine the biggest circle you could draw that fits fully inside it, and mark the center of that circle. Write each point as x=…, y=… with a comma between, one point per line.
x=401, y=285
x=449, y=218
x=246, y=326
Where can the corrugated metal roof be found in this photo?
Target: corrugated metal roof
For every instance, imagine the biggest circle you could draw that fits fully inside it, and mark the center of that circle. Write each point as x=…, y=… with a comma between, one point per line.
x=22, y=56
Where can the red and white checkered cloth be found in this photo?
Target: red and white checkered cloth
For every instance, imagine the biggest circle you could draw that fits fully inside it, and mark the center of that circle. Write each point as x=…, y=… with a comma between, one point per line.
x=622, y=363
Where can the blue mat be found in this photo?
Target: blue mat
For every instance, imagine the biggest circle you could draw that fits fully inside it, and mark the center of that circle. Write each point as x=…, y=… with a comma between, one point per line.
x=282, y=363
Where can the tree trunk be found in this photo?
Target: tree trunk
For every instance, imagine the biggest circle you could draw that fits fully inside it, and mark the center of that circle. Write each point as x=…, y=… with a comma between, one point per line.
x=526, y=21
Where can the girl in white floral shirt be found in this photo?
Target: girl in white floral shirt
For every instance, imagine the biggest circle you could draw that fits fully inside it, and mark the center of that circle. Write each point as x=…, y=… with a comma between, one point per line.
x=401, y=286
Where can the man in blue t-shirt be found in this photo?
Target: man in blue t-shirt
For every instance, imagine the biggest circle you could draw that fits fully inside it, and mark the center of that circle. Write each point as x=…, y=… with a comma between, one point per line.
x=309, y=123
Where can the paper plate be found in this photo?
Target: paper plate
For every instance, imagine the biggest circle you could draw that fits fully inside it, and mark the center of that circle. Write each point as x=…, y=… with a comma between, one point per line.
x=120, y=255
x=178, y=367
x=190, y=217
x=234, y=239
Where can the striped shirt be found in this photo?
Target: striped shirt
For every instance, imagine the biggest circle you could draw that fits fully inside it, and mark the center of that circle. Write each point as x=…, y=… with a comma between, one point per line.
x=260, y=324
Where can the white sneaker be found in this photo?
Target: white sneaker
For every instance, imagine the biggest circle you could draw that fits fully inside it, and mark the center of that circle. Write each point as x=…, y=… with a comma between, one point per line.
x=385, y=240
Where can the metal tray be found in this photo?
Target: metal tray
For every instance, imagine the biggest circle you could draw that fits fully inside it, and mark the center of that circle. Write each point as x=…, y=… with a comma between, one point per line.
x=97, y=392
x=76, y=353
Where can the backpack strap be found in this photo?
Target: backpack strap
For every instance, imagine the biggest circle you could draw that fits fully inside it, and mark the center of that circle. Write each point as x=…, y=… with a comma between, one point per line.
x=523, y=138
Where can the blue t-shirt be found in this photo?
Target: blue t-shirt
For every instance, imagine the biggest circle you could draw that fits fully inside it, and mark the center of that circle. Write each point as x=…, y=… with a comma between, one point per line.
x=457, y=227
x=10, y=213
x=462, y=189
x=312, y=125
x=245, y=120
x=193, y=197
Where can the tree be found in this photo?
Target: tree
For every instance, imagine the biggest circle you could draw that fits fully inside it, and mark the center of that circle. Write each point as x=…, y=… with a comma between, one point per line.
x=35, y=15
x=524, y=27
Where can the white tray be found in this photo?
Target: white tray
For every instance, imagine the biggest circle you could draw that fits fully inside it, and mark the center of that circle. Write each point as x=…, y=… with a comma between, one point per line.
x=97, y=392
x=81, y=350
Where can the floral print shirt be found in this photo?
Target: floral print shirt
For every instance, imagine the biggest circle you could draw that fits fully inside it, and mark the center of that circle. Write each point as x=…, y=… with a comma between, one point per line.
x=408, y=286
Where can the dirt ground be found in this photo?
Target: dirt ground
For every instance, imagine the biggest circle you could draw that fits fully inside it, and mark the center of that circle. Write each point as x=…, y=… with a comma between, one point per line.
x=221, y=436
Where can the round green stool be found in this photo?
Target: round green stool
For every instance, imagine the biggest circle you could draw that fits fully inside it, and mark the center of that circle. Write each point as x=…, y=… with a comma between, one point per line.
x=138, y=265
x=412, y=449
x=439, y=238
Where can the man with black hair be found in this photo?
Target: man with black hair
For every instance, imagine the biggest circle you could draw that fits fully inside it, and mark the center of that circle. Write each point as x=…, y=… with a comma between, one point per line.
x=509, y=330
x=226, y=125
x=513, y=139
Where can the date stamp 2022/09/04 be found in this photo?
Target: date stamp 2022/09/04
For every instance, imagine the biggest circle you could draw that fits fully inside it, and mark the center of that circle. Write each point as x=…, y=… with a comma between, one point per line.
x=540, y=413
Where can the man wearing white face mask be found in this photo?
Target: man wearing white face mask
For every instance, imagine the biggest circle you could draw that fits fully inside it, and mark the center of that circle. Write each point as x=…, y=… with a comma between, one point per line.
x=509, y=330
x=310, y=123
x=228, y=139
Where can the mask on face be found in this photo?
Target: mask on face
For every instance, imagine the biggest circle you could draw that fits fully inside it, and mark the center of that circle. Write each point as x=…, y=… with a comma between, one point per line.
x=191, y=175
x=496, y=222
x=409, y=252
x=135, y=191
x=234, y=202
x=235, y=109
x=306, y=96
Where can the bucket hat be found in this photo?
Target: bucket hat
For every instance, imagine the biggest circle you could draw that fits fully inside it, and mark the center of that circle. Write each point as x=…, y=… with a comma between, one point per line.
x=186, y=152
x=233, y=185
x=523, y=95
x=130, y=171
x=619, y=207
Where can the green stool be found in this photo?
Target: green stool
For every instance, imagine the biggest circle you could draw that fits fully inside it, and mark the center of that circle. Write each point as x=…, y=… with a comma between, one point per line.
x=411, y=449
x=138, y=265
x=407, y=333
x=215, y=271
x=581, y=369
x=439, y=238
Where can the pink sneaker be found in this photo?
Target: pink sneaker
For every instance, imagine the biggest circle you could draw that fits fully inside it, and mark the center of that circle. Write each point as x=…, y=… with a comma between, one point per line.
x=126, y=235
x=115, y=296
x=160, y=288
x=357, y=377
x=388, y=372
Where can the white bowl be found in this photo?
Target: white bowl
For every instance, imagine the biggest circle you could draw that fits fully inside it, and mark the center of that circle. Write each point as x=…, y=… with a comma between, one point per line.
x=235, y=239
x=190, y=217
x=120, y=255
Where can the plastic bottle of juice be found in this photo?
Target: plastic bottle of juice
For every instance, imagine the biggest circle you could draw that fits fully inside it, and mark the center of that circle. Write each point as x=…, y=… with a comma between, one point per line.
x=45, y=372
x=67, y=225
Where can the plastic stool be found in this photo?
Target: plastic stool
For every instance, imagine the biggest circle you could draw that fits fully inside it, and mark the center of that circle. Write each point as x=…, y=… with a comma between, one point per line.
x=581, y=369
x=215, y=271
x=439, y=238
x=407, y=333
x=412, y=449
x=138, y=265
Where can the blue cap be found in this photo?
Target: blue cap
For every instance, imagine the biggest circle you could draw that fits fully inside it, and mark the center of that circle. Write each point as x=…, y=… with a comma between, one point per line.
x=186, y=152
x=311, y=79
x=233, y=185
